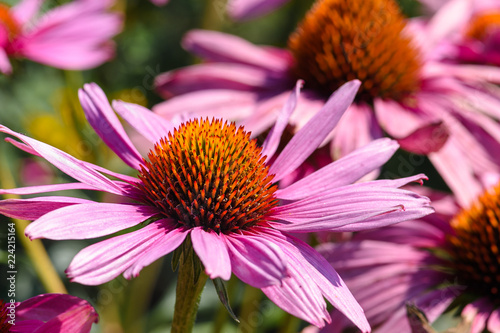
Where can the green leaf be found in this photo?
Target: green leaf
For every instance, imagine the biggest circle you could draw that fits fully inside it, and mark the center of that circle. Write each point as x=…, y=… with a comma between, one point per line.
x=220, y=286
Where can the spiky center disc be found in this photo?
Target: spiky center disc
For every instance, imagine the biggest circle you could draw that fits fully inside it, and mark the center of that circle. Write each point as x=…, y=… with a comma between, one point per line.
x=209, y=174
x=475, y=246
x=482, y=24
x=342, y=40
x=8, y=23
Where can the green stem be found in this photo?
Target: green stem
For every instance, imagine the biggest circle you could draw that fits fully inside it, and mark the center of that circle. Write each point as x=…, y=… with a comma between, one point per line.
x=190, y=282
x=34, y=249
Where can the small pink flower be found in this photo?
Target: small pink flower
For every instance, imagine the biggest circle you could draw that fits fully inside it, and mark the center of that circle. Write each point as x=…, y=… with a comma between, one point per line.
x=208, y=181
x=446, y=111
x=449, y=256
x=48, y=313
x=72, y=36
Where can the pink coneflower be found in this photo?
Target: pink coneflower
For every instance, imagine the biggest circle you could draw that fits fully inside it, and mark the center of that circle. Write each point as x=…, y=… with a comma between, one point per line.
x=406, y=91
x=72, y=36
x=448, y=257
x=48, y=313
x=209, y=181
x=473, y=36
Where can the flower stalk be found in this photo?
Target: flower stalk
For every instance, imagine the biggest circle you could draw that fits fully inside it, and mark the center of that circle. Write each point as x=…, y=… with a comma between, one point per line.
x=190, y=282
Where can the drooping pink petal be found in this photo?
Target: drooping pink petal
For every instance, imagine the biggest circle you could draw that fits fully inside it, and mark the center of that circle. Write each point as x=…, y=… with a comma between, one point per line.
x=89, y=220
x=459, y=176
x=314, y=267
x=148, y=124
x=32, y=209
x=249, y=9
x=256, y=261
x=355, y=129
x=273, y=138
x=213, y=253
x=103, y=261
x=397, y=120
x=309, y=137
x=56, y=313
x=67, y=163
x=425, y=140
x=220, y=47
x=344, y=171
x=299, y=298
x=103, y=119
x=162, y=247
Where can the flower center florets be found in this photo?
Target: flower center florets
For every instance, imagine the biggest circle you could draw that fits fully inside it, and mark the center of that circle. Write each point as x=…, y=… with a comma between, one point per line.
x=209, y=174
x=342, y=40
x=483, y=24
x=9, y=28
x=474, y=248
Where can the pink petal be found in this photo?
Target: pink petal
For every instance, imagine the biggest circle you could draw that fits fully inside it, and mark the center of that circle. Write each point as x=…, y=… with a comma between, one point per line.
x=5, y=66
x=61, y=38
x=458, y=175
x=47, y=188
x=344, y=171
x=89, y=220
x=221, y=47
x=314, y=268
x=210, y=103
x=213, y=253
x=106, y=124
x=215, y=76
x=32, y=209
x=249, y=9
x=148, y=124
x=309, y=137
x=452, y=16
x=56, y=312
x=103, y=261
x=67, y=164
x=297, y=297
x=397, y=120
x=351, y=208
x=425, y=140
x=162, y=247
x=494, y=321
x=256, y=261
x=355, y=129
x=25, y=10
x=273, y=138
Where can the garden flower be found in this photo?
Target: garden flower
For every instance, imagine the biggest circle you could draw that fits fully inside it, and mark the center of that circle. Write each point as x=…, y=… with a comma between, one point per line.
x=48, y=313
x=472, y=36
x=60, y=37
x=406, y=92
x=450, y=256
x=208, y=180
